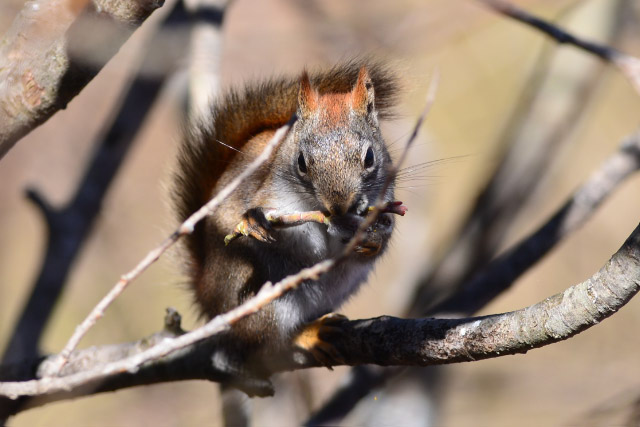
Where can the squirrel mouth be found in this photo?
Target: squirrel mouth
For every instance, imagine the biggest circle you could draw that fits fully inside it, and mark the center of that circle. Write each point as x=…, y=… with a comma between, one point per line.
x=346, y=226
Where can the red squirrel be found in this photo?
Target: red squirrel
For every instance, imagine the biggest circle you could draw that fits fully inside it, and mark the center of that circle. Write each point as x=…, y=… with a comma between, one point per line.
x=333, y=159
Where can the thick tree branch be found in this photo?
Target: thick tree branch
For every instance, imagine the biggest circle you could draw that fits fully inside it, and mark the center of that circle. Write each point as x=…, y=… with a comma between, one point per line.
x=501, y=273
x=385, y=340
x=38, y=73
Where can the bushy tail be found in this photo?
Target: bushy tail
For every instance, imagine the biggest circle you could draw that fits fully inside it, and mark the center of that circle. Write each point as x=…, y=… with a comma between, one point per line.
x=242, y=113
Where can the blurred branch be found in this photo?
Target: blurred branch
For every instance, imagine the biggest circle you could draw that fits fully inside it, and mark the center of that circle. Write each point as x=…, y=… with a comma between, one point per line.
x=407, y=342
x=69, y=226
x=627, y=64
x=501, y=273
x=38, y=75
x=530, y=142
x=205, y=52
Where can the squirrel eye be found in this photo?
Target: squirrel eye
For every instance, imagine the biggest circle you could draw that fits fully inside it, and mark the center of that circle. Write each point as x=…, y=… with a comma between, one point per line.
x=302, y=166
x=368, y=158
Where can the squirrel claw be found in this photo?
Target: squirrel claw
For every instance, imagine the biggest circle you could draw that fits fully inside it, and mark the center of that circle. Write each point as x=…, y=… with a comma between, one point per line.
x=317, y=338
x=254, y=224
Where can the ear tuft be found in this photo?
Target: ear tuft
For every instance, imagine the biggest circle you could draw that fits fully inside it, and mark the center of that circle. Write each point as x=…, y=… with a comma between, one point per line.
x=362, y=96
x=307, y=97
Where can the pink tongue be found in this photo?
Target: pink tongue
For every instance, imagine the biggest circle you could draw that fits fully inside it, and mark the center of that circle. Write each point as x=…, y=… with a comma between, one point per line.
x=396, y=208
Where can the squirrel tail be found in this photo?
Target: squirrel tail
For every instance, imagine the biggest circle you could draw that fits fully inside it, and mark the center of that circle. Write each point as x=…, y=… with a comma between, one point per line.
x=207, y=148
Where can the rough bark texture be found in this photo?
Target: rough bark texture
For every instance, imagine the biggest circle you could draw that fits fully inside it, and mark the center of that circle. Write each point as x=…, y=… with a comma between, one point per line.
x=38, y=73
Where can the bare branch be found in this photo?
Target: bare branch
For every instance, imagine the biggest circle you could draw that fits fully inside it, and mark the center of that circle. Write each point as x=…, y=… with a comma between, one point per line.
x=38, y=75
x=425, y=342
x=627, y=64
x=527, y=146
x=407, y=342
x=205, y=51
x=504, y=270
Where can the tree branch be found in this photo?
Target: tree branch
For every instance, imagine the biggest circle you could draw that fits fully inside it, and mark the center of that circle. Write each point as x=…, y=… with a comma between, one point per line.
x=627, y=64
x=502, y=272
x=38, y=73
x=385, y=341
x=527, y=146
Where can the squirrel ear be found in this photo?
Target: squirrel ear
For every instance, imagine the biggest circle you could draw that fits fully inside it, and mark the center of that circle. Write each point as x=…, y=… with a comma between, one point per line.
x=362, y=96
x=307, y=97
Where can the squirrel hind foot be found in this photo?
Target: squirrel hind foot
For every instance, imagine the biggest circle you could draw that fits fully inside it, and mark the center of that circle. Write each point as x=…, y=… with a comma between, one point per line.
x=319, y=339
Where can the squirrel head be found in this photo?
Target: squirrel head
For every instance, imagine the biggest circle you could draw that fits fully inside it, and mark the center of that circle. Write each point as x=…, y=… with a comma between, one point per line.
x=338, y=152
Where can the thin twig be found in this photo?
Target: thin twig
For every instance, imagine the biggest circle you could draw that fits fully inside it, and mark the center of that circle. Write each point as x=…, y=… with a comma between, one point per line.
x=627, y=64
x=185, y=228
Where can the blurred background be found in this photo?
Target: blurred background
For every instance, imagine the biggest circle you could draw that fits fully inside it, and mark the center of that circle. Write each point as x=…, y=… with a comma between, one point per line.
x=500, y=82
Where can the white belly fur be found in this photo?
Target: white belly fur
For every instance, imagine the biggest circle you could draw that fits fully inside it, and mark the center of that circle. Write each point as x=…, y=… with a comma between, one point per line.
x=315, y=298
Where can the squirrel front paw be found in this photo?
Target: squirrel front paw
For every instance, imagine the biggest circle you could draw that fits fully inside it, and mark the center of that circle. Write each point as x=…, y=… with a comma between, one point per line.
x=317, y=339
x=254, y=224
